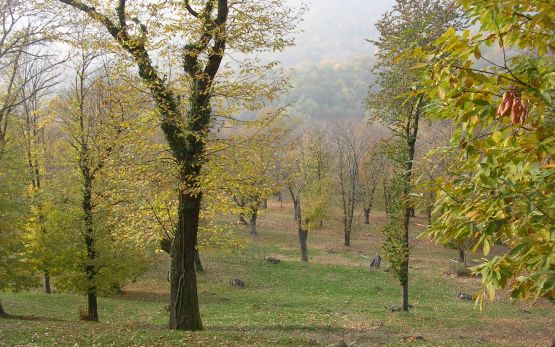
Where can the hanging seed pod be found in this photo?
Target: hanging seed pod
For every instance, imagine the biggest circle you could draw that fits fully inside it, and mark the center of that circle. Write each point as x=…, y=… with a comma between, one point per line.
x=511, y=105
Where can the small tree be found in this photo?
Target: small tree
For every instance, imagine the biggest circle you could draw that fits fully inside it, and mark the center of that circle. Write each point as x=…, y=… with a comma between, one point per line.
x=308, y=181
x=350, y=144
x=399, y=103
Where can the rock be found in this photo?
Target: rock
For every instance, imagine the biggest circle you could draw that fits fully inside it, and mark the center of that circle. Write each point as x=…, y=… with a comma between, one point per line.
x=237, y=282
x=393, y=308
x=340, y=344
x=376, y=262
x=464, y=296
x=273, y=260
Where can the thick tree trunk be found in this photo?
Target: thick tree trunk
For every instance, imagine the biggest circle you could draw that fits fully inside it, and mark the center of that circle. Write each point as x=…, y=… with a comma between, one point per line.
x=92, y=304
x=47, y=288
x=252, y=224
x=184, y=307
x=366, y=216
x=198, y=263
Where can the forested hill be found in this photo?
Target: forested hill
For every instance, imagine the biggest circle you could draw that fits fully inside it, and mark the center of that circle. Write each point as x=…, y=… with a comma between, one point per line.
x=331, y=89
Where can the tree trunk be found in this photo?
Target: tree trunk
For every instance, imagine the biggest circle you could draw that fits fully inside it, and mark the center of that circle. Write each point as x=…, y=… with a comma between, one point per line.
x=90, y=241
x=462, y=257
x=385, y=195
x=184, y=307
x=411, y=132
x=264, y=203
x=2, y=312
x=366, y=216
x=280, y=198
x=92, y=304
x=303, y=236
x=252, y=223
x=296, y=206
x=198, y=263
x=404, y=275
x=347, y=238
x=405, y=295
x=47, y=288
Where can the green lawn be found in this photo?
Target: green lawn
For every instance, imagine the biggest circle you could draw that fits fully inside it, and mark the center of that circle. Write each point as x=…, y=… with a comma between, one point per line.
x=335, y=297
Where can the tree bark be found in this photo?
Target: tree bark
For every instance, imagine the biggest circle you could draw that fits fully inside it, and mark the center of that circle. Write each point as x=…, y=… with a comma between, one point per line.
x=252, y=224
x=303, y=236
x=347, y=239
x=184, y=308
x=366, y=216
x=90, y=269
x=462, y=256
x=47, y=288
x=2, y=312
x=411, y=133
x=198, y=263
x=296, y=204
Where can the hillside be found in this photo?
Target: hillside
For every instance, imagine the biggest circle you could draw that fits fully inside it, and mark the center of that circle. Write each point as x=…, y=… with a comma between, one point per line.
x=335, y=297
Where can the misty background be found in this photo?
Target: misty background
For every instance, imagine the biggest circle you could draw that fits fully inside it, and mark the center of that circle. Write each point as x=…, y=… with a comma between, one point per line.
x=332, y=60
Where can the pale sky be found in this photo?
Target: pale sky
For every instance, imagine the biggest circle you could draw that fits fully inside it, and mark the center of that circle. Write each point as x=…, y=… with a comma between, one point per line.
x=335, y=29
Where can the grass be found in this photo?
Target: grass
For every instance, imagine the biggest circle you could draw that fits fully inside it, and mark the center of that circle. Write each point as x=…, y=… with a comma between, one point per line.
x=334, y=297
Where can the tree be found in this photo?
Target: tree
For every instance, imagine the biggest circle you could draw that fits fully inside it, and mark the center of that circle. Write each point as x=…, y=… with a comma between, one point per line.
x=500, y=188
x=399, y=103
x=37, y=76
x=95, y=251
x=247, y=27
x=307, y=178
x=350, y=145
x=242, y=165
x=24, y=26
x=372, y=169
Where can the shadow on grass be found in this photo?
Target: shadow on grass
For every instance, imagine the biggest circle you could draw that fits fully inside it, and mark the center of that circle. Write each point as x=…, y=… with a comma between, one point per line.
x=31, y=318
x=332, y=329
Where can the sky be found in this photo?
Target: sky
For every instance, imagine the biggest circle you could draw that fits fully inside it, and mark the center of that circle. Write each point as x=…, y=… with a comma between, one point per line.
x=335, y=30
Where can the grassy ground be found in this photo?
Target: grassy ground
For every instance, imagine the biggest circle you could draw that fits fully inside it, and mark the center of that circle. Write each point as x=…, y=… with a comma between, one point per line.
x=334, y=297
